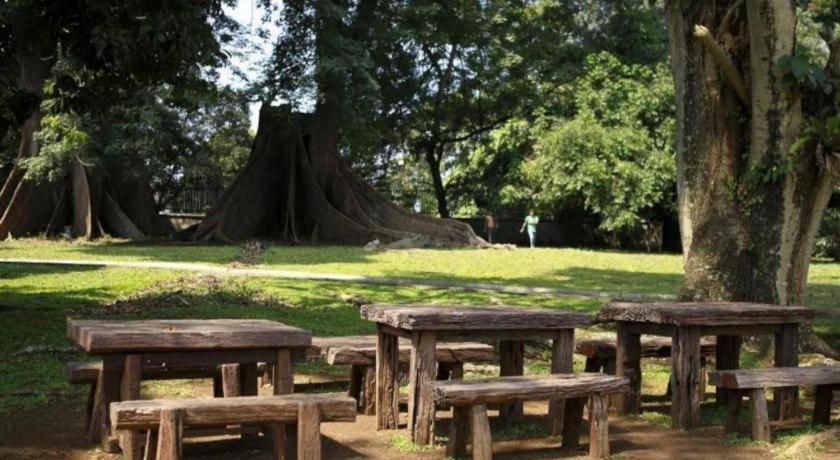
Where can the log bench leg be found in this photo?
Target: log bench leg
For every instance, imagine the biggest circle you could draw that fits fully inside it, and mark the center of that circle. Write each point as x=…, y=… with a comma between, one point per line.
x=733, y=419
x=786, y=400
x=444, y=370
x=218, y=387
x=685, y=373
x=282, y=377
x=248, y=386
x=230, y=380
x=628, y=355
x=368, y=393
x=572, y=419
x=760, y=420
x=599, y=438
x=129, y=391
x=109, y=379
x=387, y=387
x=309, y=432
x=609, y=366
x=593, y=364
x=170, y=434
x=354, y=390
x=562, y=349
x=459, y=432
x=822, y=405
x=727, y=357
x=482, y=443
x=457, y=371
x=150, y=453
x=421, y=405
x=512, y=356
x=94, y=426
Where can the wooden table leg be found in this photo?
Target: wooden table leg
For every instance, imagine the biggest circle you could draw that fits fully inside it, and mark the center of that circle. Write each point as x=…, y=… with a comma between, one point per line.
x=129, y=391
x=512, y=362
x=760, y=420
x=822, y=405
x=599, y=436
x=562, y=348
x=459, y=432
x=685, y=378
x=727, y=356
x=112, y=366
x=421, y=404
x=572, y=420
x=786, y=400
x=284, y=383
x=628, y=356
x=387, y=385
x=249, y=385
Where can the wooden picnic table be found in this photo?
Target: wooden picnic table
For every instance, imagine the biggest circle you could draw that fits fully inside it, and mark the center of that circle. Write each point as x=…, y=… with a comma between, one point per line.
x=126, y=346
x=685, y=323
x=424, y=325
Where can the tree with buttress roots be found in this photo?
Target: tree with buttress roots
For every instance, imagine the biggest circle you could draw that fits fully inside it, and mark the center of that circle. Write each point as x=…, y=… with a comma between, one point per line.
x=117, y=44
x=295, y=186
x=757, y=86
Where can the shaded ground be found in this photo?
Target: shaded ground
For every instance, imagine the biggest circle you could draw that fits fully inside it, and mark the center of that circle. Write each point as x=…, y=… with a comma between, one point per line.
x=55, y=432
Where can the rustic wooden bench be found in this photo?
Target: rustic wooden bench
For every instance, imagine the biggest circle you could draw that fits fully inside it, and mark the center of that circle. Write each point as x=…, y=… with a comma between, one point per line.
x=600, y=354
x=359, y=352
x=165, y=419
x=471, y=397
x=225, y=380
x=753, y=382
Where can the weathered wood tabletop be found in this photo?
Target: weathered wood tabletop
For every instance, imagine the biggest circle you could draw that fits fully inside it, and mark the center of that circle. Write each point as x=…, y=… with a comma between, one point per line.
x=126, y=345
x=424, y=325
x=111, y=336
x=686, y=323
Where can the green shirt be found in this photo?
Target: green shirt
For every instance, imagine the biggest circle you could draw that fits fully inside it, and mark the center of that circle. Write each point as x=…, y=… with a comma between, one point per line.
x=532, y=222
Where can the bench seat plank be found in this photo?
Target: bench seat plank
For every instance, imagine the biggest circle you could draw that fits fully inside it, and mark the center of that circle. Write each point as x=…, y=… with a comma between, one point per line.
x=652, y=347
x=776, y=377
x=446, y=352
x=526, y=388
x=145, y=414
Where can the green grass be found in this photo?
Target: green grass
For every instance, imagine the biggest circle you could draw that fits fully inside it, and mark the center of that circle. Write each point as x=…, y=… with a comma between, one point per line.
x=609, y=271
x=35, y=302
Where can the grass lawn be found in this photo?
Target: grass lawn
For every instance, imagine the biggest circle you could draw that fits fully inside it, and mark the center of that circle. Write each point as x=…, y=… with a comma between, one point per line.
x=36, y=300
x=611, y=271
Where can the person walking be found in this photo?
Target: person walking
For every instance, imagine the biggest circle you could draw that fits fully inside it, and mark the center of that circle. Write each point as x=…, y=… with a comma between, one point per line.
x=531, y=221
x=490, y=226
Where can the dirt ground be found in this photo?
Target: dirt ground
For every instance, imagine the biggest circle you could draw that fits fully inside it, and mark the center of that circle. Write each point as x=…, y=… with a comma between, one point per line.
x=56, y=434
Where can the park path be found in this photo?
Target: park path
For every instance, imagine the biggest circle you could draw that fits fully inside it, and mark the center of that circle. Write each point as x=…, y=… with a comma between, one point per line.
x=344, y=278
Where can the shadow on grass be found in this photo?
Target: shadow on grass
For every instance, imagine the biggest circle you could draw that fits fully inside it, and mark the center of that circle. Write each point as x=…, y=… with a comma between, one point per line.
x=572, y=278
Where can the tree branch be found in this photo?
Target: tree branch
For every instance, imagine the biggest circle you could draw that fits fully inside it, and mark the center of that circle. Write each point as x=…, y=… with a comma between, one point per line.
x=832, y=67
x=732, y=75
x=475, y=132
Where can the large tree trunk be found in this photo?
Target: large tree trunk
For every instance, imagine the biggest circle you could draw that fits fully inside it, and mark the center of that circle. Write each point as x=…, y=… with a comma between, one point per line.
x=747, y=235
x=749, y=211
x=89, y=200
x=295, y=188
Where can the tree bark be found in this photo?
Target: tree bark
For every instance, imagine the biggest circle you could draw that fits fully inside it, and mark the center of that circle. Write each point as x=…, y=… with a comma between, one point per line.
x=89, y=200
x=747, y=234
x=433, y=160
x=295, y=188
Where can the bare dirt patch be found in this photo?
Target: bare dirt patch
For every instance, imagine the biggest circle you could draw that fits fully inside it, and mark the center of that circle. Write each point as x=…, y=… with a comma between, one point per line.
x=55, y=432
